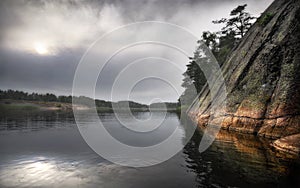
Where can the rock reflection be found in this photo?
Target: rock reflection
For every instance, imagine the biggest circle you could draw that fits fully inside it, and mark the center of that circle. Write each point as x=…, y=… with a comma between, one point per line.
x=239, y=160
x=55, y=155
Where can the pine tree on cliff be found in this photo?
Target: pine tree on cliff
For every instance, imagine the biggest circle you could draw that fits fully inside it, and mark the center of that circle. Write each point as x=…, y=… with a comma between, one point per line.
x=239, y=22
x=220, y=44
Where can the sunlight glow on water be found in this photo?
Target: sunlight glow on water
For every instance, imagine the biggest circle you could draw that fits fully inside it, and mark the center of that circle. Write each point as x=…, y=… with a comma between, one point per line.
x=39, y=171
x=50, y=172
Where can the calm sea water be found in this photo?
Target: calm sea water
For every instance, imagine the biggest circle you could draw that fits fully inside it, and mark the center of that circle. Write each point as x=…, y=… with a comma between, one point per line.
x=45, y=149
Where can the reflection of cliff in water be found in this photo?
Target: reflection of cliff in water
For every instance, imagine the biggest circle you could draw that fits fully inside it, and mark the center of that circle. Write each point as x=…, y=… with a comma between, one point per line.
x=250, y=159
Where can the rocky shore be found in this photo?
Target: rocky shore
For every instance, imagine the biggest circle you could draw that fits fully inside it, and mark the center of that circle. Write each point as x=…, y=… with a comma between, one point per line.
x=262, y=81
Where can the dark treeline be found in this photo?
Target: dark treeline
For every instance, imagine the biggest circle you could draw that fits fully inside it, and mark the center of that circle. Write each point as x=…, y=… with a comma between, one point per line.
x=20, y=95
x=162, y=105
x=48, y=97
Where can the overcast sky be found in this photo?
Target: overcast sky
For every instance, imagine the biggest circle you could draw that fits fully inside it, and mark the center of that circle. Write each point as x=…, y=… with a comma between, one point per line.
x=42, y=42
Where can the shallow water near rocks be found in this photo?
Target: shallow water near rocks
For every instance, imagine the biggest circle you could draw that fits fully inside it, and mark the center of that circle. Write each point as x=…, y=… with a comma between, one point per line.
x=45, y=149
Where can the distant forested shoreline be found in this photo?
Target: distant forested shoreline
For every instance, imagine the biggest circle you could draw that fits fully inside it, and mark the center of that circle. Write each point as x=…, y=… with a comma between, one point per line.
x=11, y=96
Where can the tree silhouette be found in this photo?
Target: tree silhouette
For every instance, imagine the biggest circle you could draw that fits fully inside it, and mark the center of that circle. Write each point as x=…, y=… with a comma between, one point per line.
x=239, y=22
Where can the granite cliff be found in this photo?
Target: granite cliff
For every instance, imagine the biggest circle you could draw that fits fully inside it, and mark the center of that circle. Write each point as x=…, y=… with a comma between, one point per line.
x=262, y=78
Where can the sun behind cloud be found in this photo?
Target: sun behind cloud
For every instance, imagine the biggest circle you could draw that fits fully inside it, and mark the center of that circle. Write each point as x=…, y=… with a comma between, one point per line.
x=41, y=48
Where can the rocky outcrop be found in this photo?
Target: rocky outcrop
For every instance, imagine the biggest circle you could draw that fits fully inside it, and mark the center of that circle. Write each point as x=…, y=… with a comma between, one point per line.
x=262, y=77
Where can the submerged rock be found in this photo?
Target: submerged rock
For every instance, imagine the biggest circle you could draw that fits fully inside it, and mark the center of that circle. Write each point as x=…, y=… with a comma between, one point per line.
x=262, y=78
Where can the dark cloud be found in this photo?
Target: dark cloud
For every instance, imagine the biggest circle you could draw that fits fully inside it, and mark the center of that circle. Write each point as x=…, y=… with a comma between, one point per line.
x=63, y=30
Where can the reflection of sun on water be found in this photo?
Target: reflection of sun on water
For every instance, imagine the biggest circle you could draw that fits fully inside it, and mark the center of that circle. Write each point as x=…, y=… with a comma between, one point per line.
x=38, y=172
x=52, y=172
x=41, y=48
